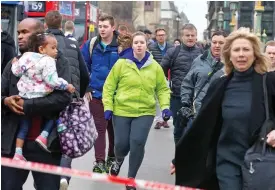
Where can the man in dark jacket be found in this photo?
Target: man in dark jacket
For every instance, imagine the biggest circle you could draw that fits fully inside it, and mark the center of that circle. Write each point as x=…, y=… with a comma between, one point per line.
x=158, y=51
x=7, y=49
x=78, y=68
x=70, y=49
x=196, y=83
x=12, y=109
x=179, y=69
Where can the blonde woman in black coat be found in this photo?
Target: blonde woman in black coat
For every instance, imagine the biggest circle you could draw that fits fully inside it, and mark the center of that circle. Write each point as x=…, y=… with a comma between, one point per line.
x=211, y=154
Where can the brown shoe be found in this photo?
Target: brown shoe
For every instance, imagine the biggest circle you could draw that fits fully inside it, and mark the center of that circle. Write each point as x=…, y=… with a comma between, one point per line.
x=158, y=125
x=165, y=124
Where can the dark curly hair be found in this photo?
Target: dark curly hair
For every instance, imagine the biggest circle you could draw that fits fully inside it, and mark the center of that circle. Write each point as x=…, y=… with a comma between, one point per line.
x=125, y=41
x=36, y=40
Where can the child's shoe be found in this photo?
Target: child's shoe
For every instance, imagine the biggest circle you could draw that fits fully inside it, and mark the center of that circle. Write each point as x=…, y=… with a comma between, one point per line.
x=42, y=142
x=19, y=157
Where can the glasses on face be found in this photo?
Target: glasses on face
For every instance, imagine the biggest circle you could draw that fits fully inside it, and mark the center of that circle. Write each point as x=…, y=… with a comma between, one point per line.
x=161, y=35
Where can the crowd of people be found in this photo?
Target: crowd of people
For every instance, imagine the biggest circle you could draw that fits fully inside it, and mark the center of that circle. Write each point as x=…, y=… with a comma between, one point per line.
x=214, y=95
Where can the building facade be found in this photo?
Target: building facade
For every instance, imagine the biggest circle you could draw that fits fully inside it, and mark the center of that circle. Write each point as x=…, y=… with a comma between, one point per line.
x=172, y=20
x=258, y=16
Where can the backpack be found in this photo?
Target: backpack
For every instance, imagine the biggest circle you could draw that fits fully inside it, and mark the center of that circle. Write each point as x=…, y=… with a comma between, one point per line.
x=92, y=44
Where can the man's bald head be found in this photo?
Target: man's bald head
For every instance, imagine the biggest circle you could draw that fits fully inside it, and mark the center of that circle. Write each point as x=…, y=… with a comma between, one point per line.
x=26, y=28
x=36, y=24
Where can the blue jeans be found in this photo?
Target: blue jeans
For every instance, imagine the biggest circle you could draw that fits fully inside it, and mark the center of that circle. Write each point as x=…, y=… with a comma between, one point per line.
x=25, y=124
x=175, y=105
x=67, y=163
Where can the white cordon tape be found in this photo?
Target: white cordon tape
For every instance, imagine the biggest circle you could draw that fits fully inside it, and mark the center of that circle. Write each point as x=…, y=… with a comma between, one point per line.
x=46, y=168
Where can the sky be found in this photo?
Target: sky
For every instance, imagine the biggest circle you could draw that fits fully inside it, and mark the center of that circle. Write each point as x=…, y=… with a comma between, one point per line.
x=195, y=11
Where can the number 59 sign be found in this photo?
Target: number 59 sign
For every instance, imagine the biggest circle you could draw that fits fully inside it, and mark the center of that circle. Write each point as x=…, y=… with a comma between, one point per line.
x=36, y=6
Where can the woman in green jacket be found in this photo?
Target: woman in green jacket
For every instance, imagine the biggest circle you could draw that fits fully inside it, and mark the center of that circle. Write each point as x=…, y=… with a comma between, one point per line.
x=129, y=97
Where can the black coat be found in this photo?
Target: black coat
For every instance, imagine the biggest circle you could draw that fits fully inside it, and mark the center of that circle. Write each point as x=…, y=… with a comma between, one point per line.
x=79, y=71
x=181, y=65
x=196, y=151
x=7, y=49
x=49, y=105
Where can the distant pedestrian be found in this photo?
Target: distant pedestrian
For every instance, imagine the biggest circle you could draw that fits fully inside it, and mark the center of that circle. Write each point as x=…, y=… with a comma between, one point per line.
x=148, y=34
x=69, y=30
x=270, y=52
x=122, y=29
x=177, y=42
x=158, y=50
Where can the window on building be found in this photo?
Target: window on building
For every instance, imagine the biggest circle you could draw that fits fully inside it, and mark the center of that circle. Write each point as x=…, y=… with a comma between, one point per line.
x=268, y=23
x=148, y=5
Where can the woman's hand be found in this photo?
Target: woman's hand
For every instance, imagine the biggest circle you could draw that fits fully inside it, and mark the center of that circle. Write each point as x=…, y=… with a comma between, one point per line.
x=271, y=139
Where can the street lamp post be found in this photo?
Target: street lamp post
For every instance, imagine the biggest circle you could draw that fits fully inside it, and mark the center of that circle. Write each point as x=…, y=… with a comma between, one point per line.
x=233, y=8
x=178, y=21
x=220, y=19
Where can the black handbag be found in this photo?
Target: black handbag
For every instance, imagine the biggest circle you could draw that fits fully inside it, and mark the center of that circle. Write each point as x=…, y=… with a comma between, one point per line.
x=258, y=171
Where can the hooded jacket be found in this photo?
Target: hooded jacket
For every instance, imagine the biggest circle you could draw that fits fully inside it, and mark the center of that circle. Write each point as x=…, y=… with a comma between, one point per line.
x=7, y=49
x=202, y=66
x=99, y=63
x=130, y=92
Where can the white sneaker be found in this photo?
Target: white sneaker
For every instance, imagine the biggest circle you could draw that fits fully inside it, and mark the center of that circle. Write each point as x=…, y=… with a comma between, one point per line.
x=63, y=184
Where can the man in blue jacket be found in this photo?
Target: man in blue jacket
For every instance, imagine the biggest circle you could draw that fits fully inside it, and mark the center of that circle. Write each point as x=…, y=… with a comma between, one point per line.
x=100, y=54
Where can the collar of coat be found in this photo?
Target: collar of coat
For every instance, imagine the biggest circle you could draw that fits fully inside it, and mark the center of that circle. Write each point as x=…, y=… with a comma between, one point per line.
x=55, y=32
x=114, y=41
x=146, y=64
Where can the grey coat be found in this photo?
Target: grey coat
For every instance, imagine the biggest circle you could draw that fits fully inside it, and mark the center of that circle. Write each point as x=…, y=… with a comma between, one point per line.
x=181, y=66
x=196, y=78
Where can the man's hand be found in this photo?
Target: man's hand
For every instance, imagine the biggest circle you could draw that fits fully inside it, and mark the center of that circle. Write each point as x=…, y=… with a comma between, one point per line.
x=71, y=88
x=14, y=60
x=173, y=169
x=271, y=139
x=15, y=104
x=89, y=96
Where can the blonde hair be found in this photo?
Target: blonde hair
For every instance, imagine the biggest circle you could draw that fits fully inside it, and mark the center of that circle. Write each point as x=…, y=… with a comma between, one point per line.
x=261, y=61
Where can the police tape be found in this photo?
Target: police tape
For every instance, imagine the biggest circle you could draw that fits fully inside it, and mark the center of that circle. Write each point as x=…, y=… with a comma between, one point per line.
x=52, y=169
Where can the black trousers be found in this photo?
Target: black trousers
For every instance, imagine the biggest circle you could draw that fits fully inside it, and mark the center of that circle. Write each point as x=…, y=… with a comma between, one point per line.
x=14, y=179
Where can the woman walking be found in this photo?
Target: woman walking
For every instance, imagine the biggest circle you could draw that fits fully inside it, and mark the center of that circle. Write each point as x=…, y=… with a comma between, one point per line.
x=129, y=97
x=211, y=155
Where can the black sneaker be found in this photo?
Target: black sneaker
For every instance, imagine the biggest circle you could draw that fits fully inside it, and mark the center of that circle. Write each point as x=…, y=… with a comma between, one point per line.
x=129, y=187
x=109, y=162
x=115, y=168
x=99, y=167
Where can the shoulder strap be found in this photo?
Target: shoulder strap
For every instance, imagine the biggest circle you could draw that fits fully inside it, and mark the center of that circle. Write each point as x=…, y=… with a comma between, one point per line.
x=175, y=55
x=92, y=43
x=266, y=98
